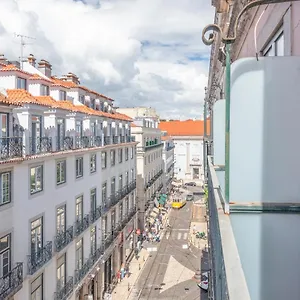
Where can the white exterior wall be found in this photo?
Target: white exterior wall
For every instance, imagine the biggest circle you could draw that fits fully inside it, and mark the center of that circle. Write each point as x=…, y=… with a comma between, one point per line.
x=188, y=155
x=168, y=160
x=8, y=82
x=34, y=89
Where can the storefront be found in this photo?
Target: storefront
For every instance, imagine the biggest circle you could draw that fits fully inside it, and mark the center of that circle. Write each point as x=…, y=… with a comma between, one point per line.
x=108, y=272
x=129, y=240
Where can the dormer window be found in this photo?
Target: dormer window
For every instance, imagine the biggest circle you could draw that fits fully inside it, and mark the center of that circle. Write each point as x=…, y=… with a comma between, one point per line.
x=62, y=95
x=21, y=83
x=45, y=91
x=93, y=104
x=101, y=106
x=81, y=99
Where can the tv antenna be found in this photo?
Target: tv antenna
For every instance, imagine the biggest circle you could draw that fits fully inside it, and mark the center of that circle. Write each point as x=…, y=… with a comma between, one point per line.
x=23, y=43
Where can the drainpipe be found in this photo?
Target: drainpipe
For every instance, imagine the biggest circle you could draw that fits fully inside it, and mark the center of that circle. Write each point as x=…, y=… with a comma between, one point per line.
x=227, y=123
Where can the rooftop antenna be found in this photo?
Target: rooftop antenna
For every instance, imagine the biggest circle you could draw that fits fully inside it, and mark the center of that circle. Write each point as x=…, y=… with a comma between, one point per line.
x=22, y=45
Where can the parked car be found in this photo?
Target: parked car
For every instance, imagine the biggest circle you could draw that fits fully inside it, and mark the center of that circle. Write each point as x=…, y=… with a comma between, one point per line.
x=190, y=184
x=189, y=197
x=204, y=281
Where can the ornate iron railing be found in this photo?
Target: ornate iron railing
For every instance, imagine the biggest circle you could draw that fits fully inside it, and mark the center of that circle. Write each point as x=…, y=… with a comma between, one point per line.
x=62, y=239
x=132, y=138
x=81, y=225
x=40, y=145
x=122, y=139
x=64, y=291
x=82, y=142
x=115, y=140
x=11, y=282
x=39, y=258
x=96, y=141
x=168, y=148
x=11, y=147
x=64, y=143
x=107, y=140
x=95, y=214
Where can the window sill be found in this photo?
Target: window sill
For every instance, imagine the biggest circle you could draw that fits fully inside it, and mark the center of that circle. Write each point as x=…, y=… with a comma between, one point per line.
x=6, y=206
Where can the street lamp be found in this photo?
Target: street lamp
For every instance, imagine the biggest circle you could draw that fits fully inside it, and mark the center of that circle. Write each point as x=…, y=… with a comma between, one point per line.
x=227, y=40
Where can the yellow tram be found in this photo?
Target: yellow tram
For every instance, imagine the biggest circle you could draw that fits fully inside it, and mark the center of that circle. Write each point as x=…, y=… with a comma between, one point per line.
x=178, y=203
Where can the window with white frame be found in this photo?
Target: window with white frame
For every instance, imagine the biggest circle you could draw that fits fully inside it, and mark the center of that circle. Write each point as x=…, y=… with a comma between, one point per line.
x=104, y=194
x=36, y=179
x=36, y=236
x=112, y=157
x=103, y=160
x=79, y=167
x=93, y=197
x=79, y=254
x=5, y=184
x=21, y=83
x=5, y=253
x=93, y=161
x=79, y=208
x=93, y=240
x=45, y=90
x=61, y=172
x=126, y=153
x=61, y=219
x=276, y=45
x=131, y=152
x=37, y=288
x=61, y=271
x=62, y=95
x=120, y=154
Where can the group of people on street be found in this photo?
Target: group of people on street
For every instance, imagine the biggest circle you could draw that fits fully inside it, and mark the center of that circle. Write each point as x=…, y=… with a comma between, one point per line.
x=124, y=271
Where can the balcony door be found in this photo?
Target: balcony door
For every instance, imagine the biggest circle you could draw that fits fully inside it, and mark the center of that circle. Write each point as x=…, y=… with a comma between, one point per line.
x=60, y=133
x=4, y=255
x=36, y=133
x=36, y=237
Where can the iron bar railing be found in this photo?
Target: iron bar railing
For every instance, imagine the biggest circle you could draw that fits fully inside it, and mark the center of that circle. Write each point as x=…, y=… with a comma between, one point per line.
x=95, y=141
x=63, y=291
x=115, y=139
x=63, y=238
x=40, y=145
x=82, y=142
x=11, y=282
x=81, y=225
x=64, y=143
x=11, y=147
x=107, y=140
x=39, y=257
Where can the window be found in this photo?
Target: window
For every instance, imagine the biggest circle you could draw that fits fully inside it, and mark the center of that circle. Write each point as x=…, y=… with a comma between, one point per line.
x=5, y=184
x=37, y=288
x=60, y=172
x=120, y=182
x=36, y=179
x=120, y=153
x=21, y=83
x=78, y=128
x=79, y=208
x=79, y=254
x=93, y=199
x=93, y=240
x=131, y=152
x=61, y=271
x=121, y=211
x=93, y=163
x=61, y=219
x=131, y=174
x=113, y=186
x=112, y=157
x=103, y=160
x=5, y=246
x=45, y=91
x=79, y=167
x=81, y=99
x=127, y=177
x=62, y=95
x=104, y=194
x=36, y=236
x=126, y=153
x=276, y=45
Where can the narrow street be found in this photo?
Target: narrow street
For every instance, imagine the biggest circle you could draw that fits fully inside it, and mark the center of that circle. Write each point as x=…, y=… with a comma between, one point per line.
x=169, y=270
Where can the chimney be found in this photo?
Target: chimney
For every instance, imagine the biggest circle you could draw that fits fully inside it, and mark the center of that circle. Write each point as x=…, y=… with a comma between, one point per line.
x=3, y=59
x=72, y=77
x=45, y=67
x=31, y=59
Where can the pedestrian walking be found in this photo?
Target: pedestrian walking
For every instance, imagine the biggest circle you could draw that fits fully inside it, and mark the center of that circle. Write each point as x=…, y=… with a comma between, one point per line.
x=194, y=229
x=118, y=276
x=122, y=272
x=127, y=269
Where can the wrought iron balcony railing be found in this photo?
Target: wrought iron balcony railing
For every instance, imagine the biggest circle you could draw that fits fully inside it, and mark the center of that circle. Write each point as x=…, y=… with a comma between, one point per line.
x=122, y=139
x=169, y=147
x=82, y=142
x=11, y=147
x=107, y=241
x=39, y=257
x=64, y=143
x=40, y=145
x=64, y=291
x=115, y=140
x=95, y=141
x=107, y=140
x=153, y=144
x=11, y=282
x=132, y=138
x=81, y=225
x=62, y=239
x=95, y=214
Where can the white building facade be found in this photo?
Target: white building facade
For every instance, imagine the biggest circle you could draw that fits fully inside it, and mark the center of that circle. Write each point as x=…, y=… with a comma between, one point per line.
x=68, y=187
x=169, y=162
x=150, y=166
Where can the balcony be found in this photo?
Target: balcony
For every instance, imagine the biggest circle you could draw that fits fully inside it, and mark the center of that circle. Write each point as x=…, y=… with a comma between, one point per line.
x=11, y=147
x=122, y=139
x=39, y=258
x=107, y=241
x=12, y=282
x=95, y=214
x=115, y=140
x=63, y=292
x=107, y=140
x=64, y=143
x=169, y=147
x=96, y=141
x=152, y=144
x=82, y=142
x=81, y=225
x=62, y=239
x=40, y=145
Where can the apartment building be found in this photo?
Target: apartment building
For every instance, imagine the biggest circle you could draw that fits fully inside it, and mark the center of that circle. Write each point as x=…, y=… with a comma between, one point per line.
x=168, y=160
x=253, y=192
x=149, y=160
x=68, y=186
x=188, y=153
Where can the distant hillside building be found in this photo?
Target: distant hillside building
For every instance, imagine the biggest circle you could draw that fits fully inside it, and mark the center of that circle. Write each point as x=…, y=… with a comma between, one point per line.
x=188, y=140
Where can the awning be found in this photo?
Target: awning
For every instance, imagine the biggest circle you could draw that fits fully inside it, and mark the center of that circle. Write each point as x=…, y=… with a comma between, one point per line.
x=153, y=214
x=162, y=199
x=150, y=220
x=156, y=210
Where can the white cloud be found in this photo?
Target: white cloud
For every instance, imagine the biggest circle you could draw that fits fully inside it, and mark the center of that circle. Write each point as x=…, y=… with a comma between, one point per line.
x=136, y=51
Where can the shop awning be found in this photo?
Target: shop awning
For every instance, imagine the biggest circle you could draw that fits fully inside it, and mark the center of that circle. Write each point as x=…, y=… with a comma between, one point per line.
x=162, y=199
